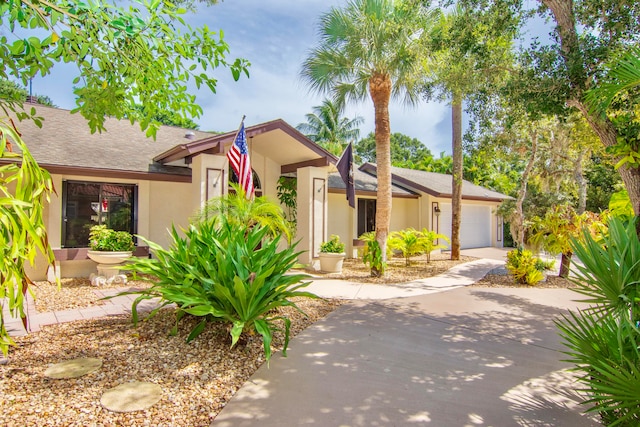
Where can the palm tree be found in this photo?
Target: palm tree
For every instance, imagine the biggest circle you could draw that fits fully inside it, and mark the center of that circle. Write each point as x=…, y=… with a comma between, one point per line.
x=370, y=47
x=325, y=127
x=623, y=75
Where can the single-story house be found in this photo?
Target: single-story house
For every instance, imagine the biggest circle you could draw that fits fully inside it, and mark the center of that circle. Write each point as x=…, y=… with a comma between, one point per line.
x=120, y=177
x=420, y=200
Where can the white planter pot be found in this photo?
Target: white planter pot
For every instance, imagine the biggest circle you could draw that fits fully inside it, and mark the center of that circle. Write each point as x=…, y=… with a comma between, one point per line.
x=331, y=262
x=105, y=257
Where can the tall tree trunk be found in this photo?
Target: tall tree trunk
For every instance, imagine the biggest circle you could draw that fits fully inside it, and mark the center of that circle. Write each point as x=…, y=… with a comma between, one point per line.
x=573, y=56
x=581, y=181
x=565, y=265
x=517, y=219
x=380, y=91
x=456, y=192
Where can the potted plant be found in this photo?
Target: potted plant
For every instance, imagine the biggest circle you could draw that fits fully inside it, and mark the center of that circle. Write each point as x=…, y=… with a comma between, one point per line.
x=332, y=255
x=108, y=246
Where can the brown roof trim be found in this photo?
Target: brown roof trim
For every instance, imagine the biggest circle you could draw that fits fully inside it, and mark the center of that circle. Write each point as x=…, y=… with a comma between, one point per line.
x=292, y=167
x=373, y=193
x=198, y=146
x=207, y=145
x=111, y=173
x=372, y=169
x=368, y=167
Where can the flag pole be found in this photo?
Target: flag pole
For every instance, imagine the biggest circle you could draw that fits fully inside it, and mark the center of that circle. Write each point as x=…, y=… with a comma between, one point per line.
x=239, y=126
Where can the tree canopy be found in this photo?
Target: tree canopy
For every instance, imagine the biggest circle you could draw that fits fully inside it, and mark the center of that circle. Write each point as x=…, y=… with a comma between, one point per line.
x=144, y=54
x=326, y=126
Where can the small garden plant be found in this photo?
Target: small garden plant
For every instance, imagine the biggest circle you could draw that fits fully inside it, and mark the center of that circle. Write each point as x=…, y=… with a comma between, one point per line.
x=102, y=238
x=526, y=268
x=372, y=254
x=333, y=245
x=411, y=242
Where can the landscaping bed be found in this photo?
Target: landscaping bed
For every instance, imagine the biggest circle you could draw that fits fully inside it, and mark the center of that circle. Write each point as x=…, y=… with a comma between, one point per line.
x=197, y=379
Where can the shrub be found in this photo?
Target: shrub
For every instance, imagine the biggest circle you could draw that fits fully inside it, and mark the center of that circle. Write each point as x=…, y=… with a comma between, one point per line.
x=372, y=254
x=603, y=340
x=332, y=246
x=102, y=238
x=428, y=241
x=524, y=266
x=224, y=272
x=407, y=241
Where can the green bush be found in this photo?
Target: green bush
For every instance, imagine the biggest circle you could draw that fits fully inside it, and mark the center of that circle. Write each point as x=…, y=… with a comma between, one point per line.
x=102, y=238
x=603, y=340
x=524, y=266
x=407, y=241
x=224, y=272
x=332, y=246
x=372, y=254
x=428, y=239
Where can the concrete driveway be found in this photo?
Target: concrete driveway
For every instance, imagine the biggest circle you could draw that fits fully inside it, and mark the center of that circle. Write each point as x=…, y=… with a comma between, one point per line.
x=466, y=357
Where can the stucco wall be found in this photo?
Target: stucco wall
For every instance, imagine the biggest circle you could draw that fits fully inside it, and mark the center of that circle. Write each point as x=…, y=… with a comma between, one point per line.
x=343, y=219
x=169, y=203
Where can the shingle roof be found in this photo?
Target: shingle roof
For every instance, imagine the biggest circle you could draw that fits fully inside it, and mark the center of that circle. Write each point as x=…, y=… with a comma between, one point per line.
x=365, y=182
x=66, y=140
x=436, y=184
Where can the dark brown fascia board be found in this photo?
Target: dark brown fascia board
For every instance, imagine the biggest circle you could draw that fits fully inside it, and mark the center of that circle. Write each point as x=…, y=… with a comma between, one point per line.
x=374, y=194
x=111, y=173
x=198, y=146
x=292, y=167
x=368, y=167
x=206, y=145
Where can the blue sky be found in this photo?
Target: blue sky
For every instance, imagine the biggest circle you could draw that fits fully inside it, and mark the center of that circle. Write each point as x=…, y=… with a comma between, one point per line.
x=275, y=36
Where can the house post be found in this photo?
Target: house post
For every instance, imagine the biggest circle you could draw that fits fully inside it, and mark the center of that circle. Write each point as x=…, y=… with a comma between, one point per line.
x=311, y=212
x=209, y=177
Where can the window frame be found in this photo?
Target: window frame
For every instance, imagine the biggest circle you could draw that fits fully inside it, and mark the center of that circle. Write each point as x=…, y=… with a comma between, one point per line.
x=65, y=205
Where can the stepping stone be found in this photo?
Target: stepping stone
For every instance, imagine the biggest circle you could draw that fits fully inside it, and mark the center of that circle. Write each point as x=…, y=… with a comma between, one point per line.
x=130, y=397
x=73, y=368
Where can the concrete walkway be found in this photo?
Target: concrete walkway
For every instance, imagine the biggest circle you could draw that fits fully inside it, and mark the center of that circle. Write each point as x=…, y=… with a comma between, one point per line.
x=111, y=307
x=466, y=357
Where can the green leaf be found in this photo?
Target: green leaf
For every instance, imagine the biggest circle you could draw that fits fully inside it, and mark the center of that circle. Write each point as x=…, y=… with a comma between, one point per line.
x=197, y=330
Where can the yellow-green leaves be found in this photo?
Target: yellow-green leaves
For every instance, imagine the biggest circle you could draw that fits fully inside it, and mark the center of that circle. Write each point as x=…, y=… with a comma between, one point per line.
x=24, y=187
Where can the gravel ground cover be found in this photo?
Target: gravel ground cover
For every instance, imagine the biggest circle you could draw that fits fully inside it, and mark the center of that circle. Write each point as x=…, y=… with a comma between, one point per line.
x=357, y=271
x=197, y=379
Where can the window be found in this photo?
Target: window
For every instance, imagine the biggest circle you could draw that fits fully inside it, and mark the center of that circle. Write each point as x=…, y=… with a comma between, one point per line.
x=257, y=186
x=366, y=216
x=85, y=204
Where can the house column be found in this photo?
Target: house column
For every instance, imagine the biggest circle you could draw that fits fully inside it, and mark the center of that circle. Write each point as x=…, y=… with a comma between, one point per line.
x=311, y=212
x=209, y=177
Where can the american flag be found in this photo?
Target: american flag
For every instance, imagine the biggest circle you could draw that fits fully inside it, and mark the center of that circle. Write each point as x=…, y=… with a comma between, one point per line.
x=238, y=157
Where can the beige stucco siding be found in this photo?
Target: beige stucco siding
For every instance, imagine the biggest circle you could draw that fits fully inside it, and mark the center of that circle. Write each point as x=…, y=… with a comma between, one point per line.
x=405, y=213
x=343, y=219
x=168, y=203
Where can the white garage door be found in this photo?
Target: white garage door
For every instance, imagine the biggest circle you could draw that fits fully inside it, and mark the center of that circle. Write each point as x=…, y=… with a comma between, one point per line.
x=475, y=225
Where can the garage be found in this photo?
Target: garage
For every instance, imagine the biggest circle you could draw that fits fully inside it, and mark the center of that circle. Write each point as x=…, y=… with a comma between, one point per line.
x=475, y=225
